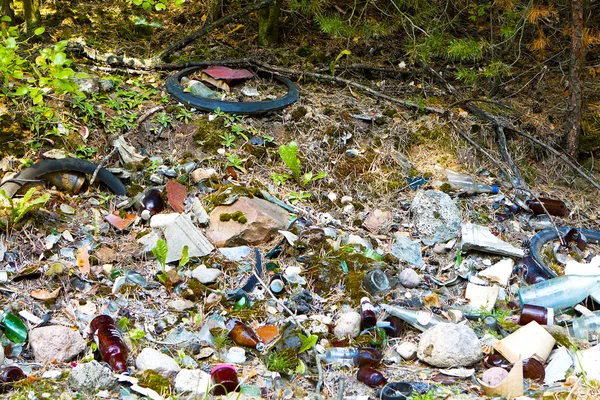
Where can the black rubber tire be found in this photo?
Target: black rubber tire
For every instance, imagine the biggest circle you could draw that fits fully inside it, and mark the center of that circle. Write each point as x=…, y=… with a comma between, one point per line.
x=548, y=235
x=44, y=167
x=248, y=108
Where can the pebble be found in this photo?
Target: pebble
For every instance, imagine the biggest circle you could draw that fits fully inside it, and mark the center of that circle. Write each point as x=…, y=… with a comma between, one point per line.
x=409, y=278
x=348, y=325
x=346, y=199
x=439, y=248
x=91, y=377
x=151, y=359
x=212, y=298
x=180, y=305
x=407, y=350
x=203, y=174
x=449, y=345
x=206, y=275
x=194, y=381
x=55, y=342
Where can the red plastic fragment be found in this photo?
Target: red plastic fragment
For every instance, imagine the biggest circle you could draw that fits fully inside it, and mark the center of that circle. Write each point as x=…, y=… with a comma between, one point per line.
x=221, y=72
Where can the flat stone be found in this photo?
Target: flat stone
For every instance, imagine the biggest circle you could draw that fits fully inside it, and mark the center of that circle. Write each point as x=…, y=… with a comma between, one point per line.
x=55, y=342
x=235, y=253
x=436, y=216
x=407, y=250
x=476, y=237
x=202, y=174
x=151, y=359
x=91, y=377
x=180, y=305
x=179, y=232
x=378, y=220
x=206, y=275
x=194, y=381
x=407, y=350
x=264, y=220
x=449, y=345
x=348, y=325
x=409, y=278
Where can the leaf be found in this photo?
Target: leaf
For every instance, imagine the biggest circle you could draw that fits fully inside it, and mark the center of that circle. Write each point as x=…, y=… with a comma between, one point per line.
x=136, y=334
x=184, y=257
x=59, y=58
x=39, y=30
x=44, y=294
x=301, y=367
x=160, y=6
x=289, y=156
x=160, y=252
x=5, y=18
x=307, y=342
x=14, y=328
x=176, y=194
x=11, y=43
x=83, y=260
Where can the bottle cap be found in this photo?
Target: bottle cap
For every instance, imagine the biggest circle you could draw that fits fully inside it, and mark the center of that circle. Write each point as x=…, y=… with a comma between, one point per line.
x=494, y=189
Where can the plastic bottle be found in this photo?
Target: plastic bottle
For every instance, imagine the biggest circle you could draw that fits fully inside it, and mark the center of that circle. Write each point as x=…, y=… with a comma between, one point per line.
x=421, y=320
x=587, y=327
x=110, y=343
x=561, y=292
x=468, y=184
x=368, y=317
x=371, y=377
x=243, y=335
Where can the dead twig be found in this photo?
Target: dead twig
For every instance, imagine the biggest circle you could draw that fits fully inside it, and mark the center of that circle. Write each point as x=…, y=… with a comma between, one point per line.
x=205, y=29
x=148, y=113
x=102, y=164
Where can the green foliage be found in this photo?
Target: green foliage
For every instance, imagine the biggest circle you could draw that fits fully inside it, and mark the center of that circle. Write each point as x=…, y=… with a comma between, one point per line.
x=184, y=257
x=430, y=395
x=465, y=50
x=18, y=209
x=279, y=179
x=307, y=342
x=283, y=362
x=164, y=119
x=309, y=178
x=158, y=5
x=296, y=197
x=468, y=76
x=136, y=334
x=85, y=152
x=234, y=161
x=160, y=252
x=183, y=115
x=343, y=53
x=289, y=155
x=334, y=26
x=307, y=7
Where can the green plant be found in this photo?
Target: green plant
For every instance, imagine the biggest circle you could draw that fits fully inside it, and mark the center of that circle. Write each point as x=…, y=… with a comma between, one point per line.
x=279, y=179
x=289, y=155
x=164, y=119
x=307, y=342
x=430, y=395
x=284, y=361
x=296, y=197
x=160, y=251
x=85, y=152
x=183, y=115
x=158, y=5
x=136, y=334
x=309, y=178
x=18, y=209
x=332, y=64
x=228, y=140
x=465, y=50
x=234, y=161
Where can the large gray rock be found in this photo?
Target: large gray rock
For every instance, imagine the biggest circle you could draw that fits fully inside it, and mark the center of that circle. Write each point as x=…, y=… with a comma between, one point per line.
x=449, y=345
x=194, y=381
x=476, y=237
x=150, y=359
x=407, y=250
x=91, y=377
x=263, y=220
x=55, y=342
x=348, y=325
x=436, y=217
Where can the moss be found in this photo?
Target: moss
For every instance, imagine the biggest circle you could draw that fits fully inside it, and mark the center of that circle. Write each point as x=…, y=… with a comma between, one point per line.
x=208, y=134
x=446, y=188
x=283, y=362
x=237, y=216
x=228, y=195
x=299, y=112
x=304, y=51
x=224, y=217
x=390, y=112
x=195, y=291
x=155, y=381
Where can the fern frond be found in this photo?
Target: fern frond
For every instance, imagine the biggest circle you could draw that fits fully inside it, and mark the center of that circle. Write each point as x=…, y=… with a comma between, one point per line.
x=468, y=76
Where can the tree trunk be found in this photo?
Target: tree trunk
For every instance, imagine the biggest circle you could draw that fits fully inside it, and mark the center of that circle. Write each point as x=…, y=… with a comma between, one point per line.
x=268, y=24
x=6, y=9
x=574, y=107
x=31, y=12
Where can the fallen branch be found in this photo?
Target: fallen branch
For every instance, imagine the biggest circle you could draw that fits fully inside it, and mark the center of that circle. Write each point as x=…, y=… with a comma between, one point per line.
x=205, y=29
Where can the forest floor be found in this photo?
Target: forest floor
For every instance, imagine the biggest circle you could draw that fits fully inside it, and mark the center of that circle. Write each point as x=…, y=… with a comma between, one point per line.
x=369, y=149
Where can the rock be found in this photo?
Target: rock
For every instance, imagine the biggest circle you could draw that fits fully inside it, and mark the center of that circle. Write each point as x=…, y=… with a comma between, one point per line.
x=439, y=248
x=407, y=250
x=87, y=85
x=55, y=342
x=348, y=325
x=378, y=221
x=91, y=377
x=199, y=213
x=180, y=305
x=202, y=174
x=449, y=345
x=235, y=253
x=499, y=272
x=212, y=298
x=262, y=222
x=407, y=350
x=150, y=359
x=409, y=278
x=179, y=232
x=206, y=275
x=436, y=217
x=194, y=381
x=476, y=237
x=346, y=199
x=107, y=85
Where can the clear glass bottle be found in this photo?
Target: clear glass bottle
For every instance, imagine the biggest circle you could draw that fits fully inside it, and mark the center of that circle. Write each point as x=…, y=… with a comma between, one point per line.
x=587, y=327
x=341, y=355
x=468, y=184
x=421, y=320
x=559, y=293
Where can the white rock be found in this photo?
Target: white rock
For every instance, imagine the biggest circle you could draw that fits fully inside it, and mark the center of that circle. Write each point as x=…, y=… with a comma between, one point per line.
x=180, y=305
x=348, y=325
x=407, y=350
x=476, y=237
x=499, y=272
x=203, y=174
x=151, y=359
x=346, y=199
x=55, y=342
x=194, y=381
x=449, y=345
x=481, y=296
x=206, y=275
x=409, y=278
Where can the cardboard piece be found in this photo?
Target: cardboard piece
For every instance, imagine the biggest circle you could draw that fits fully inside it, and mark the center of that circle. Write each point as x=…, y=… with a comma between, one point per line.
x=510, y=387
x=524, y=343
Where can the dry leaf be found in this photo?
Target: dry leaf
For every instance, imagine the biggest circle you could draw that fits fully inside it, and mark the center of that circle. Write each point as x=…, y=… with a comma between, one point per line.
x=43, y=294
x=83, y=260
x=176, y=194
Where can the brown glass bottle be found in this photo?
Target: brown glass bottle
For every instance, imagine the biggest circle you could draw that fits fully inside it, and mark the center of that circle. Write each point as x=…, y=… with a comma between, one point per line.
x=371, y=377
x=243, y=335
x=152, y=203
x=368, y=357
x=9, y=375
x=225, y=379
x=368, y=317
x=396, y=328
x=554, y=207
x=110, y=343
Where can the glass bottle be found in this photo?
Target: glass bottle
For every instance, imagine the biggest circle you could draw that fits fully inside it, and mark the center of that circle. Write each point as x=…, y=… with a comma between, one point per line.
x=467, y=184
x=421, y=320
x=561, y=292
x=541, y=315
x=587, y=327
x=243, y=335
x=110, y=343
x=341, y=355
x=555, y=207
x=368, y=317
x=152, y=204
x=224, y=377
x=371, y=377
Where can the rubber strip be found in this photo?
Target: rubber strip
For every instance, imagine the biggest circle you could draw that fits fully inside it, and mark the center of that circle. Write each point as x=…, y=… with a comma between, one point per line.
x=234, y=107
x=44, y=167
x=547, y=235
